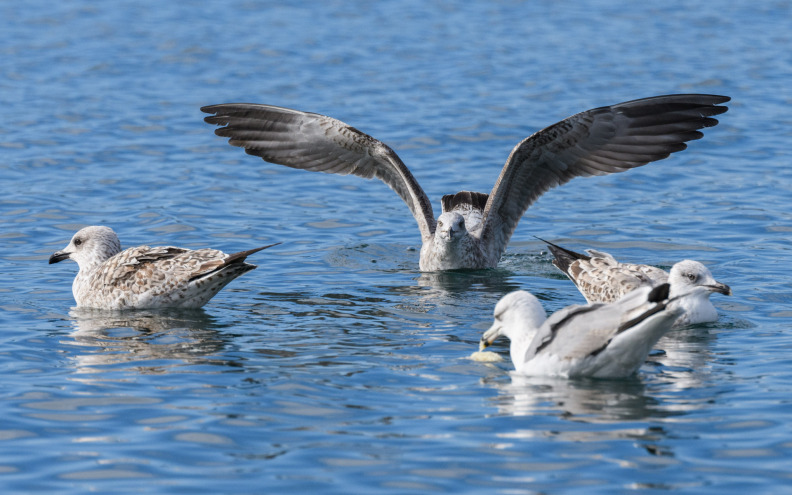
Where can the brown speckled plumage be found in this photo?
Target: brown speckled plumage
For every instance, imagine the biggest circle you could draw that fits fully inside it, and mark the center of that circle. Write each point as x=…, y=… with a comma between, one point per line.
x=601, y=278
x=147, y=277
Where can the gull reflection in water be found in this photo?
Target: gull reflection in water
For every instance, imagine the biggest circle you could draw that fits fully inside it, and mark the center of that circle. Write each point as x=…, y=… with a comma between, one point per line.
x=684, y=357
x=586, y=400
x=591, y=410
x=154, y=340
x=580, y=411
x=456, y=289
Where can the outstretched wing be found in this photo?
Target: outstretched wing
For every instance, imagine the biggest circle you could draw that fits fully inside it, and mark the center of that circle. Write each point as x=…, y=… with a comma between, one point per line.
x=314, y=142
x=601, y=141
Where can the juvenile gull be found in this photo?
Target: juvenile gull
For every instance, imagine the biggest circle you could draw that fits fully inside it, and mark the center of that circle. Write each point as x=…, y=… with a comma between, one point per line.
x=147, y=277
x=474, y=228
x=601, y=340
x=600, y=278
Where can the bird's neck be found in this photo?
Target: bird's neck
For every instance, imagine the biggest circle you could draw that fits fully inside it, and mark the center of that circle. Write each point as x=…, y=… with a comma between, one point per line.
x=81, y=283
x=442, y=254
x=518, y=348
x=91, y=264
x=696, y=307
x=88, y=268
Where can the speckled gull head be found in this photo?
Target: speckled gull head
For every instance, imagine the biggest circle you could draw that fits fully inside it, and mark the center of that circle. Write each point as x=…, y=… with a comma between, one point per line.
x=89, y=247
x=694, y=281
x=688, y=274
x=450, y=227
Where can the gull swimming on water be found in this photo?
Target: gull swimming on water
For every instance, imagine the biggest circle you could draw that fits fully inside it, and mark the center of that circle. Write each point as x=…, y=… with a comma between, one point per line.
x=601, y=340
x=600, y=278
x=147, y=277
x=474, y=228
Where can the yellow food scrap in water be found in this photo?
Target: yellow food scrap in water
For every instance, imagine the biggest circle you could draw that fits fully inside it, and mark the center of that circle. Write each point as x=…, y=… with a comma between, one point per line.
x=486, y=357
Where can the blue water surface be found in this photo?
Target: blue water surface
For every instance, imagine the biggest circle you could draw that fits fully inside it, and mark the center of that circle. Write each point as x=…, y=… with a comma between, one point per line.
x=337, y=367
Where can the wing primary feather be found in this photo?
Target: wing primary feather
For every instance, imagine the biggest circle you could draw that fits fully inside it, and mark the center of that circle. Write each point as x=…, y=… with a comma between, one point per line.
x=599, y=141
x=317, y=143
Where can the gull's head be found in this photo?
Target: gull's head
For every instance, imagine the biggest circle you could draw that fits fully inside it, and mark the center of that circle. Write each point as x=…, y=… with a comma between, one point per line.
x=688, y=275
x=450, y=227
x=90, y=246
x=517, y=315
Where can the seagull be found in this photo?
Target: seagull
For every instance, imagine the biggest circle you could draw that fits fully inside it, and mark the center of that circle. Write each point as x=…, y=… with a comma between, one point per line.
x=600, y=278
x=474, y=228
x=146, y=277
x=600, y=340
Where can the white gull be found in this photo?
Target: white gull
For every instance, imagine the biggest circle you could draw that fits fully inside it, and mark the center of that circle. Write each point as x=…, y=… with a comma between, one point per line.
x=474, y=228
x=146, y=277
x=596, y=340
x=600, y=278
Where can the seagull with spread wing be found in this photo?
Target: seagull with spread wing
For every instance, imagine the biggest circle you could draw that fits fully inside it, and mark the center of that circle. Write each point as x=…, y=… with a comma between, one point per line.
x=474, y=228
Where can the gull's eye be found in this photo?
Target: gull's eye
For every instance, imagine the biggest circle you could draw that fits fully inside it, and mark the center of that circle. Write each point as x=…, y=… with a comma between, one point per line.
x=691, y=277
x=77, y=242
x=439, y=223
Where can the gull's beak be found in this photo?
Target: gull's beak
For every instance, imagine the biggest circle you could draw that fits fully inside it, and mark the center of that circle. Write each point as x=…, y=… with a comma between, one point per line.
x=489, y=336
x=58, y=256
x=719, y=287
x=448, y=233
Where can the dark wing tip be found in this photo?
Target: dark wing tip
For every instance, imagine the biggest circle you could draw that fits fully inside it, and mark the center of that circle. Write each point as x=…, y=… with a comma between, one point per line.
x=561, y=252
x=563, y=257
x=675, y=107
x=719, y=99
x=659, y=293
x=216, y=120
x=225, y=113
x=230, y=107
x=690, y=98
x=245, y=254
